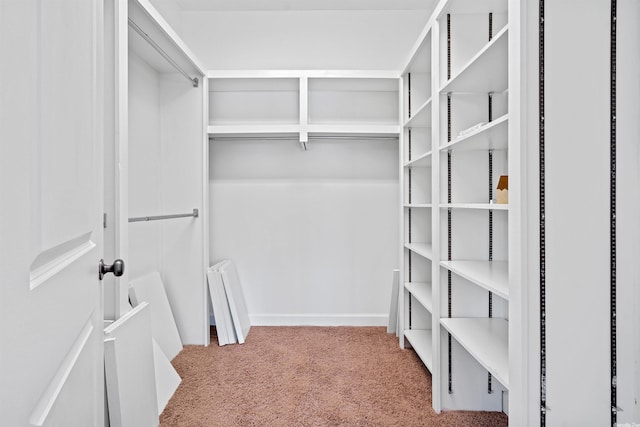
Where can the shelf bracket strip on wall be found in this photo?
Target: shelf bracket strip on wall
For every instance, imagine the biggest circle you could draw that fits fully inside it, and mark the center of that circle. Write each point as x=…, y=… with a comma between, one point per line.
x=449, y=199
x=490, y=119
x=613, y=237
x=542, y=185
x=410, y=185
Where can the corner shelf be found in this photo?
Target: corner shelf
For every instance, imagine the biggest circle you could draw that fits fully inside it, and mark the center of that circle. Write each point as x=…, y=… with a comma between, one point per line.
x=486, y=340
x=417, y=205
x=421, y=291
x=490, y=275
x=492, y=136
x=422, y=161
x=486, y=71
x=420, y=340
x=423, y=249
x=421, y=118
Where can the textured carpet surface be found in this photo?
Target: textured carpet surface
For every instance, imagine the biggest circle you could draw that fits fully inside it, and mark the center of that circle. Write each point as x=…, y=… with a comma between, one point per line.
x=309, y=376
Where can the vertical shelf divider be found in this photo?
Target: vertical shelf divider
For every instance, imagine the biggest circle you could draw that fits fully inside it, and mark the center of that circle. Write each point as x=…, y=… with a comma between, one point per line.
x=436, y=386
x=304, y=111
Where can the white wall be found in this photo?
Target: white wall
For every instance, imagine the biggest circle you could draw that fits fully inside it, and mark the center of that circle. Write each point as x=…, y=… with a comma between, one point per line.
x=170, y=11
x=318, y=39
x=144, y=168
x=314, y=234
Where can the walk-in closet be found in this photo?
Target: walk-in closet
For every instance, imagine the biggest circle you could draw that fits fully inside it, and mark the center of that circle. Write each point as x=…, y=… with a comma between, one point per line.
x=319, y=212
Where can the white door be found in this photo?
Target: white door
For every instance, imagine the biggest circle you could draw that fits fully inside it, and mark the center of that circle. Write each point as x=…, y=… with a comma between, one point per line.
x=51, y=351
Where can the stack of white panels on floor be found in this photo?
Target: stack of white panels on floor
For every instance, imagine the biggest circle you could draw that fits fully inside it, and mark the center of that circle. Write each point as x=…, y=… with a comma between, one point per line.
x=229, y=306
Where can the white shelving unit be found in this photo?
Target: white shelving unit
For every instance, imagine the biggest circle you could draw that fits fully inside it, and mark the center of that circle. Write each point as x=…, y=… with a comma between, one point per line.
x=418, y=209
x=455, y=144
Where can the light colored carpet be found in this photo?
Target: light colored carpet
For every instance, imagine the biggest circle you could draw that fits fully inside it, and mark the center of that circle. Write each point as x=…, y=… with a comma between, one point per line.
x=309, y=376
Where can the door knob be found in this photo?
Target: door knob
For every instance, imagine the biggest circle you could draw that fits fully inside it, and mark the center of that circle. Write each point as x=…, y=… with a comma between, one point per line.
x=117, y=268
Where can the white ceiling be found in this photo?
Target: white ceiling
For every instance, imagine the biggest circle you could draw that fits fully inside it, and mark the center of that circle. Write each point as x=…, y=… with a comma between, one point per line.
x=280, y=5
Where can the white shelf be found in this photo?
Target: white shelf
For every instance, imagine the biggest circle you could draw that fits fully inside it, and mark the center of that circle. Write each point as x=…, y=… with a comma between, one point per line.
x=492, y=136
x=487, y=340
x=421, y=291
x=421, y=118
x=423, y=249
x=317, y=131
x=417, y=205
x=354, y=129
x=296, y=74
x=486, y=71
x=491, y=275
x=422, y=161
x=420, y=340
x=483, y=206
x=252, y=129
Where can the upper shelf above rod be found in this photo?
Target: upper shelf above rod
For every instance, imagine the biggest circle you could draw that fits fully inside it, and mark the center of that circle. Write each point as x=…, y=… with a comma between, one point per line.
x=193, y=214
x=194, y=80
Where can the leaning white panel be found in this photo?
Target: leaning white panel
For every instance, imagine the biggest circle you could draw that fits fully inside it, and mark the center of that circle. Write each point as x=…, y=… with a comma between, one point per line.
x=167, y=379
x=392, y=323
x=236, y=300
x=129, y=370
x=150, y=288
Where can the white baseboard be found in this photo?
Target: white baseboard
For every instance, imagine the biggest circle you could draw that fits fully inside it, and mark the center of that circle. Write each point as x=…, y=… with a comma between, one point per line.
x=318, y=319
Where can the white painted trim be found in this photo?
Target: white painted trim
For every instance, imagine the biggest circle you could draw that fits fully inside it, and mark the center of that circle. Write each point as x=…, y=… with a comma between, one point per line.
x=319, y=319
x=401, y=183
x=156, y=16
x=280, y=74
x=519, y=328
x=204, y=212
x=437, y=386
x=121, y=102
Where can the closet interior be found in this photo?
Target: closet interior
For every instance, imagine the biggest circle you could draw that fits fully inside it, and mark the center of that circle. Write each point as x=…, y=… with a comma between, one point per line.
x=316, y=183
x=160, y=117
x=303, y=183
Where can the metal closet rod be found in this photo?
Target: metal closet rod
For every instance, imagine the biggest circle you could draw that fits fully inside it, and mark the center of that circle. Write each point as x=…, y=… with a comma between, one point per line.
x=193, y=214
x=311, y=138
x=194, y=80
